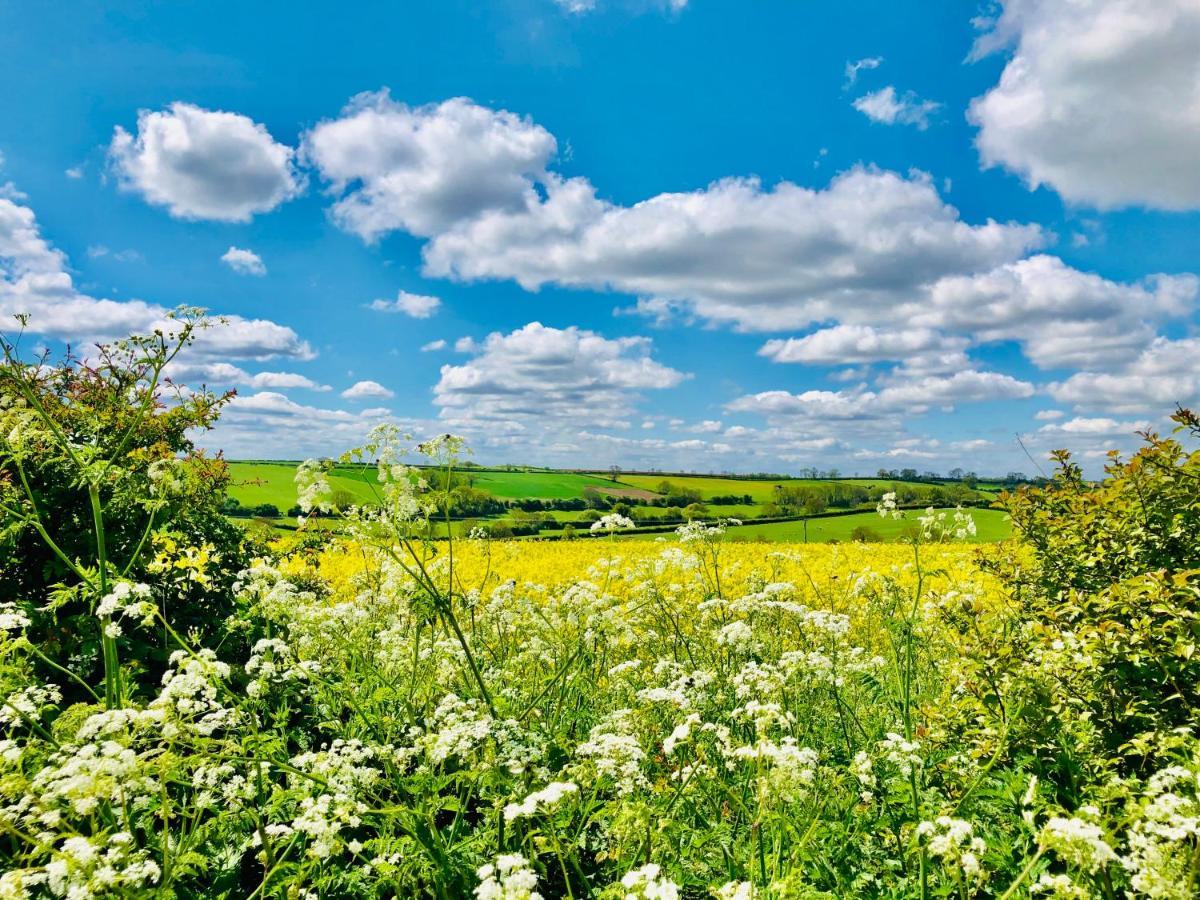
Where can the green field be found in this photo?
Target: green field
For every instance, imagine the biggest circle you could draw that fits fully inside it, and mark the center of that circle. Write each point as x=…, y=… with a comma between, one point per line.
x=714, y=486
x=761, y=491
x=543, y=485
x=255, y=483
x=991, y=525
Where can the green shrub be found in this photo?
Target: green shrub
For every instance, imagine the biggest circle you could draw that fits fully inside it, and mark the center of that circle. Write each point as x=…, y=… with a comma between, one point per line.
x=98, y=457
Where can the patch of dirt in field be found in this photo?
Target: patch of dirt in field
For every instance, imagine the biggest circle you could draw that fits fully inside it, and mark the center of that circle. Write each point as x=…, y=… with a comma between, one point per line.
x=628, y=493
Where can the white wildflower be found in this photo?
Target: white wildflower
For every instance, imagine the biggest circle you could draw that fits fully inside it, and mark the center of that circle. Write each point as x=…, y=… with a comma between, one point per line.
x=509, y=878
x=545, y=799
x=647, y=883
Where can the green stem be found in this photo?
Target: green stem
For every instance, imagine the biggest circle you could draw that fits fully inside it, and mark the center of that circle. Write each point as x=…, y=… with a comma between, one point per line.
x=1024, y=874
x=112, y=666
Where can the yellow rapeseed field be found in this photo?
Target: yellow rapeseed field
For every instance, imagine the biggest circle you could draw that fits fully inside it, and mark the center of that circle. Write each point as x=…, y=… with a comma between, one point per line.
x=818, y=569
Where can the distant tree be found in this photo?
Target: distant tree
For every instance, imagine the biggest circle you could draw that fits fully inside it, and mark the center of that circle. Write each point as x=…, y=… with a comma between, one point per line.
x=864, y=535
x=594, y=499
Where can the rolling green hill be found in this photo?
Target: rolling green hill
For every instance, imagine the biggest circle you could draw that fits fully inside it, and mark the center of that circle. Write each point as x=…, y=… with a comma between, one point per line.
x=255, y=483
x=543, y=485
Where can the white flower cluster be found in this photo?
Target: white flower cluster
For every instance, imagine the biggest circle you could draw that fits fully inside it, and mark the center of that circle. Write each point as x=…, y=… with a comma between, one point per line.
x=953, y=842
x=190, y=689
x=1058, y=887
x=272, y=661
x=12, y=618
x=613, y=751
x=648, y=883
x=785, y=770
x=165, y=477
x=457, y=728
x=313, y=489
x=888, y=508
x=87, y=867
x=943, y=526
x=1077, y=842
x=545, y=799
x=509, y=878
x=863, y=770
x=905, y=755
x=737, y=890
x=1164, y=837
x=25, y=706
x=613, y=522
x=738, y=637
x=128, y=601
x=692, y=532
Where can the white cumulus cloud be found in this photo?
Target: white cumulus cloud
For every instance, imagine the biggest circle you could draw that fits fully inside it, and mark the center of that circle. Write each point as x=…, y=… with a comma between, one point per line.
x=244, y=262
x=888, y=107
x=1100, y=100
x=204, y=164
x=417, y=306
x=424, y=169
x=363, y=389
x=542, y=376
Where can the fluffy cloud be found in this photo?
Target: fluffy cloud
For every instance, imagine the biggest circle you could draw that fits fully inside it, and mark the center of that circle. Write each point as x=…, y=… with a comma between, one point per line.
x=736, y=252
x=244, y=262
x=1166, y=373
x=228, y=375
x=856, y=344
x=1062, y=317
x=268, y=423
x=889, y=108
x=424, y=169
x=34, y=279
x=1100, y=100
x=433, y=346
x=1090, y=438
x=418, y=306
x=548, y=376
x=909, y=396
x=204, y=164
x=477, y=184
x=361, y=390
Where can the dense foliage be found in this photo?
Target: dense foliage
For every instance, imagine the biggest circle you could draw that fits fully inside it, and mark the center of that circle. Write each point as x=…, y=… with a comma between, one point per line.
x=98, y=479
x=385, y=714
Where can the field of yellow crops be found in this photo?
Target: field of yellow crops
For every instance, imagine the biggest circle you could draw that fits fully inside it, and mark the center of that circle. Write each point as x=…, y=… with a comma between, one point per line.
x=817, y=569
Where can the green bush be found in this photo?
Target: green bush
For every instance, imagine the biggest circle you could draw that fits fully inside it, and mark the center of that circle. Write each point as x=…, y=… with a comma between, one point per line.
x=96, y=462
x=1099, y=655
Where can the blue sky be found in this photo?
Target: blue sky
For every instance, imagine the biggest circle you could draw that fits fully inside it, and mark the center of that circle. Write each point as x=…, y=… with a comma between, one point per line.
x=695, y=234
